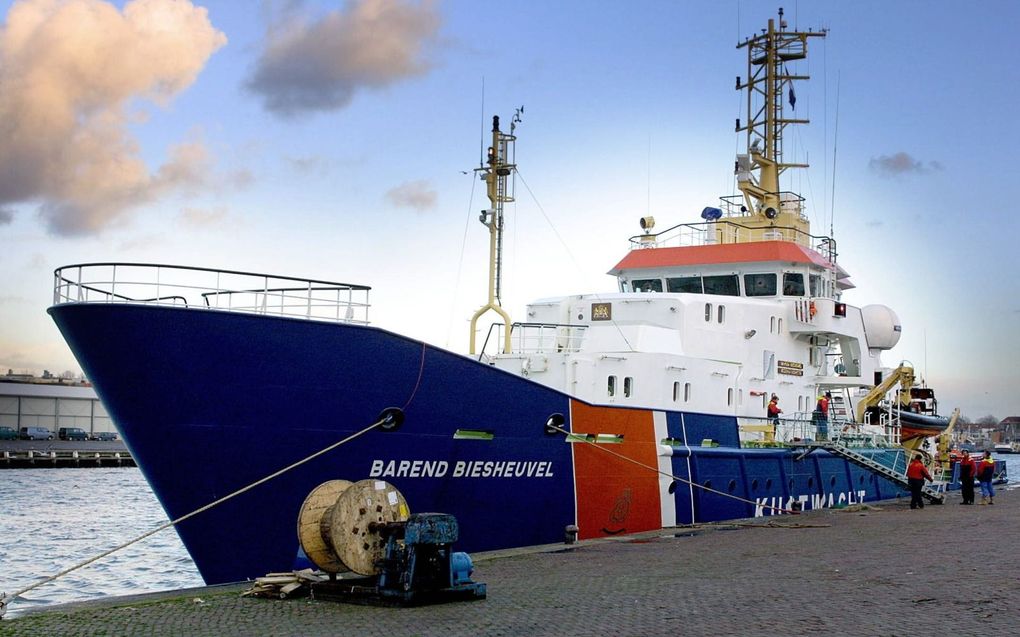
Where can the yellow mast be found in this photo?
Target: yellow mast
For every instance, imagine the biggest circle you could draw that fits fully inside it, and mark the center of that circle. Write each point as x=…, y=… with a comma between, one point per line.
x=495, y=175
x=766, y=209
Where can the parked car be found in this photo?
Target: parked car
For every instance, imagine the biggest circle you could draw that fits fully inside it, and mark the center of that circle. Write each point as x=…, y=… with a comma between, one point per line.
x=105, y=435
x=8, y=433
x=35, y=433
x=72, y=433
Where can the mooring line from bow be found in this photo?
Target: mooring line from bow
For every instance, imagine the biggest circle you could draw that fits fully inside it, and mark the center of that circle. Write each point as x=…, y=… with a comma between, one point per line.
x=4, y=600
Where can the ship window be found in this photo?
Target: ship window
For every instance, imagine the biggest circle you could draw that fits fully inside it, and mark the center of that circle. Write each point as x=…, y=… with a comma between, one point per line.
x=815, y=284
x=740, y=397
x=779, y=326
x=754, y=484
x=647, y=285
x=687, y=392
x=722, y=313
x=725, y=285
x=760, y=284
x=690, y=284
x=772, y=326
x=793, y=284
x=800, y=403
x=729, y=396
x=611, y=386
x=708, y=311
x=628, y=386
x=676, y=391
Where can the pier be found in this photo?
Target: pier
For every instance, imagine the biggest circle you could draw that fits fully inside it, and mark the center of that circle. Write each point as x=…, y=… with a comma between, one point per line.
x=879, y=570
x=44, y=454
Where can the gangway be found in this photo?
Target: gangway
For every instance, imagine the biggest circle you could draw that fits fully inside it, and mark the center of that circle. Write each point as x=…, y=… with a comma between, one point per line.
x=934, y=494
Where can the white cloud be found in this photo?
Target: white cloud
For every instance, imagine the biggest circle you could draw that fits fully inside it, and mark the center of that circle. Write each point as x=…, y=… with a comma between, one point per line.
x=901, y=164
x=318, y=65
x=413, y=194
x=69, y=70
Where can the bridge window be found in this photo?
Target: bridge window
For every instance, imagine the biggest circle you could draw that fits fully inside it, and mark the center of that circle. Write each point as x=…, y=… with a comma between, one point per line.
x=815, y=285
x=793, y=284
x=647, y=285
x=760, y=284
x=611, y=386
x=725, y=285
x=689, y=284
x=628, y=386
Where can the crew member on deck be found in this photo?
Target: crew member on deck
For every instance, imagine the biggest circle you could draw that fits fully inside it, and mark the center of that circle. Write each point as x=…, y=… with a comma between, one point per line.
x=821, y=416
x=773, y=410
x=916, y=475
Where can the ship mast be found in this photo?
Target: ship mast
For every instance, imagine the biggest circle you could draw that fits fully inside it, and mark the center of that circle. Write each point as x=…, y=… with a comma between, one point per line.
x=495, y=175
x=768, y=83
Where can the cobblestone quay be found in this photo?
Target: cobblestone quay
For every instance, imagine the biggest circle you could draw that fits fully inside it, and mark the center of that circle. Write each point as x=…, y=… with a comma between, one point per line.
x=885, y=570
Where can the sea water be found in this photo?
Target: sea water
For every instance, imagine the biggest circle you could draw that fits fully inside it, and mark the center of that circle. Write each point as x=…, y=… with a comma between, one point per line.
x=51, y=519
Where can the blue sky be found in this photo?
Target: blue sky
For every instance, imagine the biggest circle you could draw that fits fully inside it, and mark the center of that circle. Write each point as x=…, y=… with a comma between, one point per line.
x=327, y=140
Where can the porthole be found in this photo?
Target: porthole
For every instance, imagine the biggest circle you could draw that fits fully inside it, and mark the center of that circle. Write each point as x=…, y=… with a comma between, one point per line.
x=791, y=484
x=832, y=481
x=707, y=484
x=754, y=484
x=768, y=483
x=732, y=486
x=810, y=482
x=860, y=479
x=672, y=487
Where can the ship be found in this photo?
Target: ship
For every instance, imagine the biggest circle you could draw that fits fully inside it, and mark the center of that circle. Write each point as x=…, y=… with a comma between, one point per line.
x=645, y=407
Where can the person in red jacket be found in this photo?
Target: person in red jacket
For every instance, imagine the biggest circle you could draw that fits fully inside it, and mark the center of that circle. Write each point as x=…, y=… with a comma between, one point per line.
x=916, y=475
x=967, y=472
x=985, y=475
x=773, y=410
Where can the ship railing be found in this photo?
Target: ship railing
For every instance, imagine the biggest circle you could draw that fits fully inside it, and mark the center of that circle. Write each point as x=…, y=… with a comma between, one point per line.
x=539, y=338
x=803, y=427
x=206, y=288
x=687, y=235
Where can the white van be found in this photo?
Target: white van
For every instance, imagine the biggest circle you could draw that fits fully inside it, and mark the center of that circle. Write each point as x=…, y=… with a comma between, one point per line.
x=35, y=433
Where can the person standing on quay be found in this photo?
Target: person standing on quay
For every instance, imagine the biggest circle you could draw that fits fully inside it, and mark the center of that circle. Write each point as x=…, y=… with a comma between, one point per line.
x=916, y=475
x=967, y=472
x=986, y=473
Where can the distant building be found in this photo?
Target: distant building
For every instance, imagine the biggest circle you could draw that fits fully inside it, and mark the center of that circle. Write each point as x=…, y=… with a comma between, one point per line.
x=52, y=405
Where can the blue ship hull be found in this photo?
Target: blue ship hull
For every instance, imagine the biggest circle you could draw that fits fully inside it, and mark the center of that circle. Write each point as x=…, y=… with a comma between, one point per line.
x=211, y=401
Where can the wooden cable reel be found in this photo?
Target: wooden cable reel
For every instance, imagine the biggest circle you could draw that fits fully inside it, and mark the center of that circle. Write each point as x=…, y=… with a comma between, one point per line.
x=333, y=524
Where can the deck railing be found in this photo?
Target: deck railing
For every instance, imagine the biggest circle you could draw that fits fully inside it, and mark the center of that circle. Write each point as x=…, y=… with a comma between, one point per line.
x=205, y=288
x=540, y=338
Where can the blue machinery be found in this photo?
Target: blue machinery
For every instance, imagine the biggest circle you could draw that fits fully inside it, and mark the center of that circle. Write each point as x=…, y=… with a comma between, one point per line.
x=418, y=567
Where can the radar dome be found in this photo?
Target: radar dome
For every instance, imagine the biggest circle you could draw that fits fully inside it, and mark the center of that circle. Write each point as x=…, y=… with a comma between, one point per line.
x=882, y=326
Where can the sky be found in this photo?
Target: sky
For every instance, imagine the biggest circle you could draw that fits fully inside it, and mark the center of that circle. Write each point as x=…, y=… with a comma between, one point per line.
x=335, y=140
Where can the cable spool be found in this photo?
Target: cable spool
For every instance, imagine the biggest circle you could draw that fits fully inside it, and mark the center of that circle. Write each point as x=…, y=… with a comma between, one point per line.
x=333, y=525
x=313, y=525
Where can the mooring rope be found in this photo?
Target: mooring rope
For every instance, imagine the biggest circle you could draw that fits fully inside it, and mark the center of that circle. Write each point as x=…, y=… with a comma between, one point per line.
x=577, y=436
x=3, y=597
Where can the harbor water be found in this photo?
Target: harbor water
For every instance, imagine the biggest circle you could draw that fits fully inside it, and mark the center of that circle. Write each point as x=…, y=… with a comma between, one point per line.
x=51, y=519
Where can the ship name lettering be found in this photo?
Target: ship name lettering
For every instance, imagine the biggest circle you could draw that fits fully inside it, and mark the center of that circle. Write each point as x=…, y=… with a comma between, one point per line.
x=772, y=505
x=500, y=469
x=409, y=469
x=462, y=469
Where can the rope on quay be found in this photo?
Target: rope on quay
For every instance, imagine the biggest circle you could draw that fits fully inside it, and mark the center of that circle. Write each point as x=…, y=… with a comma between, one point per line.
x=670, y=475
x=4, y=600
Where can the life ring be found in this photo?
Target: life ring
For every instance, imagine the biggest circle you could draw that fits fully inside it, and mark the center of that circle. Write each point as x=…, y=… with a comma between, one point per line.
x=811, y=309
